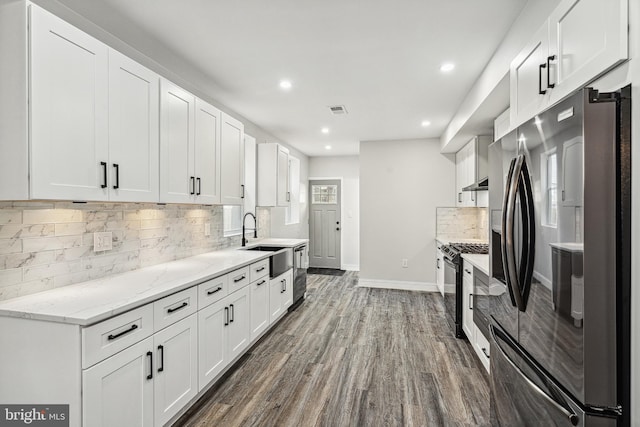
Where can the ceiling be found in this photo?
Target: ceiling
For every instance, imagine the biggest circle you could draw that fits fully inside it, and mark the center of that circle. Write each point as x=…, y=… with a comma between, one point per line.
x=379, y=58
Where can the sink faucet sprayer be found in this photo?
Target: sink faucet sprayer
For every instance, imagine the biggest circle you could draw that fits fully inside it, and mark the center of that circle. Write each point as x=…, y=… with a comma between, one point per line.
x=255, y=228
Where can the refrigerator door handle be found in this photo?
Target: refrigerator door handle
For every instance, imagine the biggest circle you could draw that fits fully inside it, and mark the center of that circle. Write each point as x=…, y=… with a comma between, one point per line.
x=568, y=412
x=508, y=232
x=529, y=234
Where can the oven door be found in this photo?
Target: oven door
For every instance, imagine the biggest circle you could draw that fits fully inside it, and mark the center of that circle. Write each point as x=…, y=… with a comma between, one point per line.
x=451, y=271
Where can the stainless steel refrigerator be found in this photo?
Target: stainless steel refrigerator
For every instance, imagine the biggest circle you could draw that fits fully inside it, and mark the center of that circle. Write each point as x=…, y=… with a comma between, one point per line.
x=559, y=196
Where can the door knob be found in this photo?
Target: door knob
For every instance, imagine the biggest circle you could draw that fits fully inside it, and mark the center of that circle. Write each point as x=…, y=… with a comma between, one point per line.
x=337, y=228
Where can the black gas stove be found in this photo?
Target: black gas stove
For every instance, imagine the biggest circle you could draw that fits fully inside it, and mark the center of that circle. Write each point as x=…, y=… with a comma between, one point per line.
x=453, y=280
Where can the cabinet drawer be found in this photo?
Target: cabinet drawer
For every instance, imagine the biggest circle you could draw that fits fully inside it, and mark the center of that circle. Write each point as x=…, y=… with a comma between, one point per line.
x=259, y=269
x=113, y=335
x=238, y=279
x=175, y=307
x=212, y=290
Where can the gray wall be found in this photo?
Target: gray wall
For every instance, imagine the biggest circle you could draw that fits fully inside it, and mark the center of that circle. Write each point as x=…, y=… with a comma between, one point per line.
x=347, y=168
x=401, y=184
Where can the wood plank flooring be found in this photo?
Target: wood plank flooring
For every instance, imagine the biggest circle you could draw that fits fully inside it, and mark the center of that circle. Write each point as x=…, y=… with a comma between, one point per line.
x=352, y=356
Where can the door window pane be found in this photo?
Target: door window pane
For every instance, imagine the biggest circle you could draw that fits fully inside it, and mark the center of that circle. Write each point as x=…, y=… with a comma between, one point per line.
x=324, y=194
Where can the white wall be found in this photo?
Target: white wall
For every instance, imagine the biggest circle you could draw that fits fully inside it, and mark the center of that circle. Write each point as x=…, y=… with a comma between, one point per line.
x=347, y=168
x=401, y=184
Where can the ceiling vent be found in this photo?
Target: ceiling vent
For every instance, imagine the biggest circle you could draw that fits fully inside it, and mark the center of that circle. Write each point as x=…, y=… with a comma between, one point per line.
x=338, y=110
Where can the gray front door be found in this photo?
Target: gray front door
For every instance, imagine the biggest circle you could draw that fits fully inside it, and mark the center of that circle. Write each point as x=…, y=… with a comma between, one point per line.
x=324, y=223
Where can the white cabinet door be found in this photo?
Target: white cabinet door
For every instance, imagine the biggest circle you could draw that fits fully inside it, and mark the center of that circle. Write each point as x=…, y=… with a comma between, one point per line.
x=119, y=390
x=460, y=177
x=580, y=51
x=207, y=153
x=287, y=295
x=213, y=322
x=133, y=131
x=232, y=161
x=250, y=171
x=259, y=298
x=283, y=190
x=69, y=110
x=176, y=368
x=239, y=332
x=276, y=288
x=528, y=78
x=467, y=301
x=470, y=163
x=177, y=140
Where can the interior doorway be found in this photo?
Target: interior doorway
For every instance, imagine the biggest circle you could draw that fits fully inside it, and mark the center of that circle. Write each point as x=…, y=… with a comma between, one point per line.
x=324, y=223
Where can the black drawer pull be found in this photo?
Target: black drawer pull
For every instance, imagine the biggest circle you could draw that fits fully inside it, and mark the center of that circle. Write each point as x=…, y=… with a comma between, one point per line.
x=260, y=269
x=467, y=271
x=118, y=335
x=161, y=351
x=261, y=283
x=484, y=350
x=104, y=174
x=214, y=291
x=199, y=187
x=115, y=165
x=180, y=307
x=233, y=313
x=226, y=316
x=239, y=279
x=193, y=185
x=150, y=356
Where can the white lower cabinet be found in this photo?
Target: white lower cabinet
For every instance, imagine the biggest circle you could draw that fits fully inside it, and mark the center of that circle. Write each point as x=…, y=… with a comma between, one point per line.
x=467, y=301
x=159, y=372
x=224, y=333
x=119, y=390
x=175, y=368
x=482, y=348
x=259, y=297
x=280, y=295
x=439, y=268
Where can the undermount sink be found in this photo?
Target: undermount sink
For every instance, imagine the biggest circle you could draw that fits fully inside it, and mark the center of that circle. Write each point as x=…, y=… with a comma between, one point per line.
x=265, y=248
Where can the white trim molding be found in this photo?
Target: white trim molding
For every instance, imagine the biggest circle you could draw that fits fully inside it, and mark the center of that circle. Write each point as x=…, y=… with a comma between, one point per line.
x=351, y=267
x=398, y=284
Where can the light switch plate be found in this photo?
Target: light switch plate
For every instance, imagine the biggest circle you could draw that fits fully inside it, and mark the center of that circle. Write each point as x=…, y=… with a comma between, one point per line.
x=102, y=241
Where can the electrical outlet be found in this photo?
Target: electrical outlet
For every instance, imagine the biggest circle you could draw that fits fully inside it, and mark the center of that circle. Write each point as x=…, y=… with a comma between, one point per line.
x=405, y=263
x=207, y=229
x=102, y=241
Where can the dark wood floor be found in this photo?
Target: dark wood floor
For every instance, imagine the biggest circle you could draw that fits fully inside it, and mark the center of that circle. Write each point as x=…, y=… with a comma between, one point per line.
x=354, y=356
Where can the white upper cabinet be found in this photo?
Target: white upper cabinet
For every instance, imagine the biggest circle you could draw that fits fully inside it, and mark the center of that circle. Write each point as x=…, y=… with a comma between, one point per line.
x=581, y=40
x=587, y=37
x=471, y=166
x=177, y=141
x=133, y=131
x=207, y=153
x=69, y=103
x=232, y=161
x=274, y=187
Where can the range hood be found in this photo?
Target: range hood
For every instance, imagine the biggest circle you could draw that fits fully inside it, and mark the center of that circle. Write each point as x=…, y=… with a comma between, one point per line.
x=480, y=185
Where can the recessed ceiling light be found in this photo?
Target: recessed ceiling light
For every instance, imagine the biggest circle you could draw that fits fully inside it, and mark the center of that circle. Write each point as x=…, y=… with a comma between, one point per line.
x=285, y=84
x=425, y=123
x=446, y=67
x=324, y=130
x=327, y=147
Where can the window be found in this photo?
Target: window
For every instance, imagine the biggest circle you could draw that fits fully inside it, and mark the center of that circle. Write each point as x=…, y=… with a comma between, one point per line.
x=324, y=194
x=549, y=161
x=293, y=210
x=232, y=220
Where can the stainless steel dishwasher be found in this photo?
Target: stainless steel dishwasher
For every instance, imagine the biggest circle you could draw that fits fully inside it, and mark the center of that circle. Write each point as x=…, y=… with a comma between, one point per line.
x=299, y=275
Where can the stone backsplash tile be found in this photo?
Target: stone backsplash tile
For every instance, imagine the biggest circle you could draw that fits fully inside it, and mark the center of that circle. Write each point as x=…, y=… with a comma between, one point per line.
x=44, y=245
x=462, y=223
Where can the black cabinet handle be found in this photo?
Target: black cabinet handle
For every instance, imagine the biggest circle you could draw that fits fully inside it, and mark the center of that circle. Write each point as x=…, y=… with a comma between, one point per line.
x=115, y=165
x=260, y=269
x=288, y=196
x=104, y=174
x=467, y=271
x=282, y=286
x=214, y=291
x=484, y=350
x=261, y=283
x=199, y=186
x=180, y=307
x=242, y=188
x=240, y=279
x=438, y=263
x=549, y=59
x=193, y=185
x=150, y=356
x=226, y=316
x=233, y=314
x=285, y=285
x=459, y=197
x=540, y=90
x=470, y=301
x=118, y=335
x=161, y=351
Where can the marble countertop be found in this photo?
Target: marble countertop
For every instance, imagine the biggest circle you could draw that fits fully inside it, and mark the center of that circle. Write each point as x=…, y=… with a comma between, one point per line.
x=448, y=240
x=91, y=302
x=481, y=262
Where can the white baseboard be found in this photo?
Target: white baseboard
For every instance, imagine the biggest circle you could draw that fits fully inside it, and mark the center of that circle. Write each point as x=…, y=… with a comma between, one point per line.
x=398, y=284
x=351, y=267
x=546, y=282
